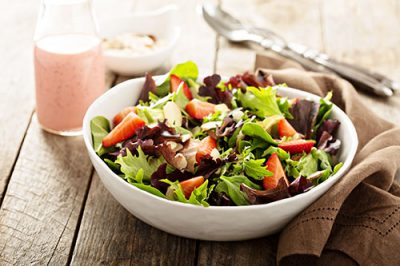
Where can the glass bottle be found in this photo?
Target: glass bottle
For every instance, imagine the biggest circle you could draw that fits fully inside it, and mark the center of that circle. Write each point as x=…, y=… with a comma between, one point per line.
x=69, y=67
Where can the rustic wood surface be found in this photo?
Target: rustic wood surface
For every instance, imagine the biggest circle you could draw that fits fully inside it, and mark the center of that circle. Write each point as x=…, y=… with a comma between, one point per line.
x=54, y=209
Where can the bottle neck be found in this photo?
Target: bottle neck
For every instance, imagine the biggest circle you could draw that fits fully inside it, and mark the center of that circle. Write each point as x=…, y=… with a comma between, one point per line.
x=59, y=17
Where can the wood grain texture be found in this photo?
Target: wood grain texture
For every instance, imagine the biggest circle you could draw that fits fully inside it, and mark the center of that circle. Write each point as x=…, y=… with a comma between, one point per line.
x=253, y=252
x=16, y=81
x=111, y=235
x=296, y=21
x=44, y=199
x=366, y=33
x=40, y=211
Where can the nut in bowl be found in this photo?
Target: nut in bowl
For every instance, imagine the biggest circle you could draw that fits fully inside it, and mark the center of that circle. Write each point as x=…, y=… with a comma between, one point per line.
x=193, y=146
x=138, y=43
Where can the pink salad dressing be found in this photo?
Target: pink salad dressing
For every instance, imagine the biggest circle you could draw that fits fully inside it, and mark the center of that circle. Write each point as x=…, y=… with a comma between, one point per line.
x=69, y=73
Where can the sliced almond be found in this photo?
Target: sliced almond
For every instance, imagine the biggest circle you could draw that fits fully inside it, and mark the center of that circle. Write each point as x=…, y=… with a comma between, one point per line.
x=223, y=108
x=210, y=125
x=215, y=154
x=172, y=114
x=180, y=161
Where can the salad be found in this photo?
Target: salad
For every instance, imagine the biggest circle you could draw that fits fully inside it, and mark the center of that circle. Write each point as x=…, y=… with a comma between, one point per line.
x=219, y=142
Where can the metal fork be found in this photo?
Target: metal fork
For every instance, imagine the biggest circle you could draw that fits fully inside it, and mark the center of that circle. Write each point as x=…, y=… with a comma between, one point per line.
x=235, y=31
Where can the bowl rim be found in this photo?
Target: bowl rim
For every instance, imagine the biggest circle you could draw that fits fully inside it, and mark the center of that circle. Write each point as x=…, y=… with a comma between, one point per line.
x=342, y=171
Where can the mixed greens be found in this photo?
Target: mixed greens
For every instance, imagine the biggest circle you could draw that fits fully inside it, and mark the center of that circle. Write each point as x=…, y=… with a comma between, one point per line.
x=215, y=142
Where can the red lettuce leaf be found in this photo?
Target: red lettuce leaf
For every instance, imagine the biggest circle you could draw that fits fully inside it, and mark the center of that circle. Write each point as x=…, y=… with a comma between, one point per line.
x=220, y=199
x=304, y=117
x=260, y=79
x=161, y=173
x=299, y=185
x=209, y=166
x=210, y=89
x=256, y=196
x=148, y=86
x=325, y=136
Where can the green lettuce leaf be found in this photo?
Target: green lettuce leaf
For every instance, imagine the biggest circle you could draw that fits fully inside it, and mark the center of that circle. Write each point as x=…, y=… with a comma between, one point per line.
x=150, y=115
x=256, y=131
x=178, y=195
x=194, y=89
x=261, y=100
x=307, y=165
x=256, y=169
x=324, y=159
x=269, y=122
x=179, y=97
x=149, y=189
x=113, y=166
x=137, y=181
x=284, y=106
x=232, y=189
x=130, y=165
x=100, y=127
x=291, y=168
x=325, y=109
x=201, y=194
x=187, y=70
x=283, y=155
x=337, y=168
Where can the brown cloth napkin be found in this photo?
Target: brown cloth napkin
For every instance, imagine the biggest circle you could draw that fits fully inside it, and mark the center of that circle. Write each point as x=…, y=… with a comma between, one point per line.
x=358, y=220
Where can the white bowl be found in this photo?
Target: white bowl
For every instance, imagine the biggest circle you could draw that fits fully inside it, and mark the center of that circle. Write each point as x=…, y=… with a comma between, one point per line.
x=222, y=223
x=161, y=23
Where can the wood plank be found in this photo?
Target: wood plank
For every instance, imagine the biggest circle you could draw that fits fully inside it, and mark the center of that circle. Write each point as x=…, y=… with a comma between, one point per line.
x=253, y=252
x=197, y=41
x=44, y=199
x=367, y=33
x=233, y=59
x=16, y=81
x=111, y=235
x=296, y=21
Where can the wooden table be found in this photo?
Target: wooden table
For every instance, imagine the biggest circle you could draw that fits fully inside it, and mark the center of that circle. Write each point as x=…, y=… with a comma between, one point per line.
x=54, y=209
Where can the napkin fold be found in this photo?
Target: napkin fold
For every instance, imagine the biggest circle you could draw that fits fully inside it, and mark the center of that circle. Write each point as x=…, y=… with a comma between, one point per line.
x=358, y=220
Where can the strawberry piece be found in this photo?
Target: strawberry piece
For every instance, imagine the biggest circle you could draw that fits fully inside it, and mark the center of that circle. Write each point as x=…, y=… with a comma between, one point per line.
x=189, y=185
x=199, y=109
x=285, y=129
x=297, y=146
x=206, y=146
x=175, y=81
x=121, y=115
x=125, y=129
x=274, y=165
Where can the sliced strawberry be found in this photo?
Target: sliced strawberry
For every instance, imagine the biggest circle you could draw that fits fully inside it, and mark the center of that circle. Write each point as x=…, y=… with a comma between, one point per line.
x=206, y=146
x=125, y=129
x=274, y=165
x=175, y=81
x=189, y=185
x=121, y=115
x=199, y=109
x=285, y=129
x=297, y=146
